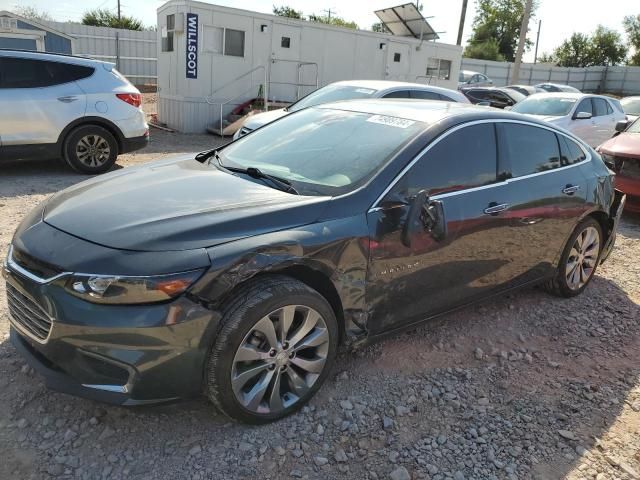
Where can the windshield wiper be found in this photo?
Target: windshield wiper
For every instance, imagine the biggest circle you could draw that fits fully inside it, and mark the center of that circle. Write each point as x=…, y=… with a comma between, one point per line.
x=281, y=183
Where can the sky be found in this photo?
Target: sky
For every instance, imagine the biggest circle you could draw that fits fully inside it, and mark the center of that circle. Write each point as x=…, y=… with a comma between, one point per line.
x=560, y=18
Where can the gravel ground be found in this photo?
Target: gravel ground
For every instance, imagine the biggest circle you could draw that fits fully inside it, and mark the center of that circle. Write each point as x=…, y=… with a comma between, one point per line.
x=523, y=386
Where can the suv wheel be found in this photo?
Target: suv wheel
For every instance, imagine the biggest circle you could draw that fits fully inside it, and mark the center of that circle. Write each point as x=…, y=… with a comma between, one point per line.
x=90, y=149
x=579, y=260
x=276, y=346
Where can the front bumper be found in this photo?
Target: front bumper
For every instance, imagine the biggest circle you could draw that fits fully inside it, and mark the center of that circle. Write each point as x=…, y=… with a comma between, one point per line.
x=127, y=355
x=630, y=186
x=615, y=213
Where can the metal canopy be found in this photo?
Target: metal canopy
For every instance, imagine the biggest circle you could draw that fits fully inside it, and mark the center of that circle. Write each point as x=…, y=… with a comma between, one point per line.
x=406, y=21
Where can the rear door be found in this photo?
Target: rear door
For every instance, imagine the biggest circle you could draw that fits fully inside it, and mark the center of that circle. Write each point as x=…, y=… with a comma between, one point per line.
x=39, y=99
x=547, y=195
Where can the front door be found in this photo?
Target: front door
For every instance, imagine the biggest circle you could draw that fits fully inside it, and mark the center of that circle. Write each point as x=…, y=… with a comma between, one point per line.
x=409, y=283
x=585, y=128
x=605, y=120
x=37, y=101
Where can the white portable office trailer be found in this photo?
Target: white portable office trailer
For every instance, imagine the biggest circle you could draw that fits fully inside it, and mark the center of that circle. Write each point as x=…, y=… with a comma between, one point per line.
x=213, y=58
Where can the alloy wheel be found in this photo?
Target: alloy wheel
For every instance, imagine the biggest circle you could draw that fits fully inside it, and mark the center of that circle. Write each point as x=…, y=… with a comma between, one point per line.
x=93, y=150
x=583, y=258
x=280, y=359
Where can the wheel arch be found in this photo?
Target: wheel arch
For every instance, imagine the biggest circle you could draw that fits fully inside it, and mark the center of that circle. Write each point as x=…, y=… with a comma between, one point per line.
x=92, y=120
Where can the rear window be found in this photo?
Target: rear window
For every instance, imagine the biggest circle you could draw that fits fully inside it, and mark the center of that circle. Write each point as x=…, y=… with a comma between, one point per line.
x=570, y=151
x=31, y=73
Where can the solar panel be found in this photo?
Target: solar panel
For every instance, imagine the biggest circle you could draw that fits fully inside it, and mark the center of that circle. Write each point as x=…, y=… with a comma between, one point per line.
x=406, y=21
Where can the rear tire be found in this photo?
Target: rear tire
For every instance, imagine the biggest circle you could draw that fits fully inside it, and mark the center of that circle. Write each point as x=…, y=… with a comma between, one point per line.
x=275, y=347
x=579, y=260
x=90, y=149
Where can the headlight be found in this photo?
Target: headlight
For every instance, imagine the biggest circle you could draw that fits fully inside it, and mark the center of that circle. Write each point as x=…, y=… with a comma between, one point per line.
x=116, y=289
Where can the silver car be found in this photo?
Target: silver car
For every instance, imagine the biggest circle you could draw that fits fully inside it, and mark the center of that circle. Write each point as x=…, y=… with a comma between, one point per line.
x=351, y=90
x=60, y=106
x=468, y=78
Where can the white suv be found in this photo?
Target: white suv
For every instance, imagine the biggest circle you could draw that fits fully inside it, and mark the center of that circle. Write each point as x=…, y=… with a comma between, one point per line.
x=60, y=106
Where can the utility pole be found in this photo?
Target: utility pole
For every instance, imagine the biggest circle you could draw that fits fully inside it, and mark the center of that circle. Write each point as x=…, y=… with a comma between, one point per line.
x=463, y=14
x=515, y=77
x=535, y=58
x=328, y=12
x=118, y=10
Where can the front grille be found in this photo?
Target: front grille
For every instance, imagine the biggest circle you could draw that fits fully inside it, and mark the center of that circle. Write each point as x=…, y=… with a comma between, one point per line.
x=27, y=314
x=629, y=167
x=37, y=267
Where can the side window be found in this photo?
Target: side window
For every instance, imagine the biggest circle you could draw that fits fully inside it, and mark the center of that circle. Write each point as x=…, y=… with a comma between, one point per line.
x=585, y=106
x=77, y=72
x=481, y=94
x=27, y=73
x=571, y=152
x=397, y=94
x=599, y=107
x=464, y=159
x=609, y=109
x=528, y=149
x=475, y=78
x=425, y=95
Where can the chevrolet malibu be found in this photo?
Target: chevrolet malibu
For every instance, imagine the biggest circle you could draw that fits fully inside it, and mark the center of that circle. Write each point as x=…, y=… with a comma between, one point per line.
x=239, y=273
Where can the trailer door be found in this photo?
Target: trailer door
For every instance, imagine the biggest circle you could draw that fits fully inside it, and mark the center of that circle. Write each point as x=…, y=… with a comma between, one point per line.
x=397, y=61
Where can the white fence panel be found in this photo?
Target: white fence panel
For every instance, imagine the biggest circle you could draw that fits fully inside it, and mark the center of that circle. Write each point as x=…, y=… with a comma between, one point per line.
x=135, y=53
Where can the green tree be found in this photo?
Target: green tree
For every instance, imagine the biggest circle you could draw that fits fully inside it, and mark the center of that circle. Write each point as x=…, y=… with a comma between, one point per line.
x=333, y=20
x=486, y=50
x=546, y=58
x=105, y=18
x=632, y=27
x=286, y=11
x=576, y=51
x=379, y=27
x=603, y=47
x=498, y=21
x=33, y=13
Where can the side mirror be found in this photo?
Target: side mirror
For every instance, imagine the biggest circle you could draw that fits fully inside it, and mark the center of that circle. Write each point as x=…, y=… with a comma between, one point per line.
x=424, y=215
x=622, y=125
x=582, y=116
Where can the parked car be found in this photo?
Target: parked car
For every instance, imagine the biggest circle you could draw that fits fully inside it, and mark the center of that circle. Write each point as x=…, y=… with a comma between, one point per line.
x=238, y=273
x=631, y=107
x=497, y=97
x=60, y=106
x=525, y=90
x=622, y=154
x=468, y=78
x=354, y=89
x=556, y=88
x=593, y=118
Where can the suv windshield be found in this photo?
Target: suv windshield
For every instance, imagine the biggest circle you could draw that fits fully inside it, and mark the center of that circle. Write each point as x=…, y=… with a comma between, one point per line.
x=631, y=106
x=634, y=127
x=331, y=93
x=323, y=151
x=554, y=106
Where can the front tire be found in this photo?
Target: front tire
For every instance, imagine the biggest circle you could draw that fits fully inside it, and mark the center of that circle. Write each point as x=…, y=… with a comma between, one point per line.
x=276, y=346
x=90, y=149
x=579, y=260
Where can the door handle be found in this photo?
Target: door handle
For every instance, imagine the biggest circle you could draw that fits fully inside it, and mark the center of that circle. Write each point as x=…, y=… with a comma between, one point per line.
x=495, y=208
x=570, y=189
x=68, y=99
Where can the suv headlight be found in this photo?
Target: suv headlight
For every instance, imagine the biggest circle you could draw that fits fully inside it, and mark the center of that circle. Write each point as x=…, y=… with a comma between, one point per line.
x=119, y=289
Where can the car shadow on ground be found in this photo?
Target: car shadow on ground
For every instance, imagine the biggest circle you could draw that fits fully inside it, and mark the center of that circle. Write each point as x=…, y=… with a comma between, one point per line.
x=552, y=378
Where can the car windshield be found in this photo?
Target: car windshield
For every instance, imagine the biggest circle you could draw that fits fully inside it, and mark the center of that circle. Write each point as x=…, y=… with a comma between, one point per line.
x=464, y=77
x=322, y=151
x=332, y=93
x=634, y=127
x=553, y=106
x=631, y=106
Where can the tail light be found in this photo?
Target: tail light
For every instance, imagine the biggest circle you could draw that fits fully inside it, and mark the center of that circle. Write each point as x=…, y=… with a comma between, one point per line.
x=134, y=99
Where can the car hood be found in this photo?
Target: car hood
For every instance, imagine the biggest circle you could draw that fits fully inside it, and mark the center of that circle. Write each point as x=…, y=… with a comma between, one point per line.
x=625, y=144
x=176, y=204
x=260, y=119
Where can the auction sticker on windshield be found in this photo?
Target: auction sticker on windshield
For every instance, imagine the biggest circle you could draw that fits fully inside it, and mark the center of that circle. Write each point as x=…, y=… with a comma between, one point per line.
x=391, y=121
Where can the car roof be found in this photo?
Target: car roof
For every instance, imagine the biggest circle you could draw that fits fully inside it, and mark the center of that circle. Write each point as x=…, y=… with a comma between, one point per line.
x=388, y=84
x=470, y=72
x=53, y=57
x=426, y=112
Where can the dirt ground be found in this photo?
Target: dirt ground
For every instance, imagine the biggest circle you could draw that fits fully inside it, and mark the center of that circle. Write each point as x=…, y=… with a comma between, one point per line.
x=522, y=386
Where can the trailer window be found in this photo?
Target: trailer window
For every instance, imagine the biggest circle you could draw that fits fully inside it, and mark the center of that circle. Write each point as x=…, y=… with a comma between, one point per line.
x=285, y=42
x=439, y=68
x=396, y=57
x=233, y=42
x=167, y=42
